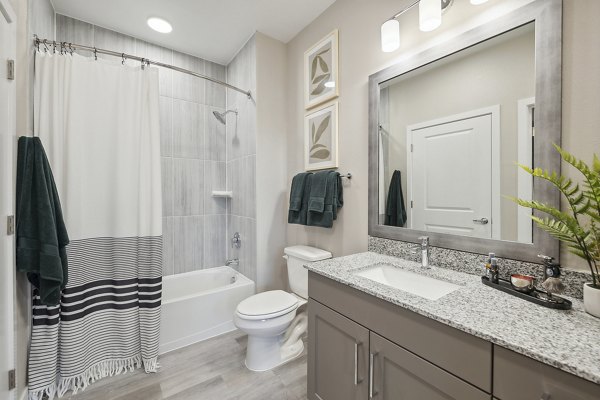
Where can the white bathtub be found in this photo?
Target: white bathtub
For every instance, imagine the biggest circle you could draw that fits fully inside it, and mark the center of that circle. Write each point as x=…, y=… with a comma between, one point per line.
x=199, y=305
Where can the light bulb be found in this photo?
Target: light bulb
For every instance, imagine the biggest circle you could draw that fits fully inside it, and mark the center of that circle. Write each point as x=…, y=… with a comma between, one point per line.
x=430, y=14
x=390, y=35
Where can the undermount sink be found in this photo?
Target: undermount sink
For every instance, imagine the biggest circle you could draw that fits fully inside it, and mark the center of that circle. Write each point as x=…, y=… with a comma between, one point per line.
x=417, y=284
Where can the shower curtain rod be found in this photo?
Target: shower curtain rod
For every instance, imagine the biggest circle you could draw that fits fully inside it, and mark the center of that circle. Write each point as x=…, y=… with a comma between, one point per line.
x=70, y=47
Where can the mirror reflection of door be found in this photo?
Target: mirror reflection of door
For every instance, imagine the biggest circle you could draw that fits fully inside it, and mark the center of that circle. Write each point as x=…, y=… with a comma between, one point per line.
x=453, y=184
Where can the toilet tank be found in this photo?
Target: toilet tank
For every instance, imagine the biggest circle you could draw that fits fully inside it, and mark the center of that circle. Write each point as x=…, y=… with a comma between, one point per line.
x=297, y=257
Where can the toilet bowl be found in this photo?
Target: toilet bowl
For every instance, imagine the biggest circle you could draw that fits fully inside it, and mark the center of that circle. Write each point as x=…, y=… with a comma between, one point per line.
x=271, y=319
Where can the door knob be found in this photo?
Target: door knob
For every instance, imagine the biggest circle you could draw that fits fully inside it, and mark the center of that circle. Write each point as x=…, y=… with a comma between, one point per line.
x=482, y=221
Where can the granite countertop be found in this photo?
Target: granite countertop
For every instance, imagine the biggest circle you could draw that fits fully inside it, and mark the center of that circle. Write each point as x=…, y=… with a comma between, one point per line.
x=568, y=340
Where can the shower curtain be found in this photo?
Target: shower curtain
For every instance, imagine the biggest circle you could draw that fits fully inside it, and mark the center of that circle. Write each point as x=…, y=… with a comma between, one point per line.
x=98, y=121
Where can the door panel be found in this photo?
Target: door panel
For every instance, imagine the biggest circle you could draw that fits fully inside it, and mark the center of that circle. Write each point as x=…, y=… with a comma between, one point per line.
x=337, y=355
x=7, y=146
x=451, y=177
x=400, y=375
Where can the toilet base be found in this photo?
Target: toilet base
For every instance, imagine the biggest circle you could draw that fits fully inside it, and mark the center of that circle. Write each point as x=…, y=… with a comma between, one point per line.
x=265, y=353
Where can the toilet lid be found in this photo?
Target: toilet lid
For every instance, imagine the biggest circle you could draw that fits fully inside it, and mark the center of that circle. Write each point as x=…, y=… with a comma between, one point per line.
x=267, y=304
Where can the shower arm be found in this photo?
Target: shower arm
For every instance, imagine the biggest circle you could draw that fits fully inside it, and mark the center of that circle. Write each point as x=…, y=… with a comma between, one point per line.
x=51, y=45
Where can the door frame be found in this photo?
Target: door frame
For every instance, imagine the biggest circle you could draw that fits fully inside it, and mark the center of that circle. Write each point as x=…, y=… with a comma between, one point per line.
x=525, y=157
x=494, y=112
x=7, y=286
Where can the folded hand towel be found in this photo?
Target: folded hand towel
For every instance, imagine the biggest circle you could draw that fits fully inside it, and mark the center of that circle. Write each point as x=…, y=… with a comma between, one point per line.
x=41, y=233
x=300, y=188
x=331, y=200
x=318, y=191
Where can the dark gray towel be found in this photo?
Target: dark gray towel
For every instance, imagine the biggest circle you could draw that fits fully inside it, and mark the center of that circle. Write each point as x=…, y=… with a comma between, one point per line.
x=395, y=210
x=318, y=191
x=297, y=191
x=332, y=200
x=41, y=232
x=299, y=216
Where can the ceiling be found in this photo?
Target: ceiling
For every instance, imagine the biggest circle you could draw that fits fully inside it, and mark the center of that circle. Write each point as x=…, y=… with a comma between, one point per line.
x=211, y=29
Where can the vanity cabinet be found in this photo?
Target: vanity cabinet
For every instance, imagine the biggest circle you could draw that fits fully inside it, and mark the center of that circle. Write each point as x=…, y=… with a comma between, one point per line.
x=517, y=377
x=338, y=361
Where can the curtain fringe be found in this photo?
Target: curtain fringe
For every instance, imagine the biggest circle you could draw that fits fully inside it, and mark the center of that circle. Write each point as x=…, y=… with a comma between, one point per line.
x=95, y=372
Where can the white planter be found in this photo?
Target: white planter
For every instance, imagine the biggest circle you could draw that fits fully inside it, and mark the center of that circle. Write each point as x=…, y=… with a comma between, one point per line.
x=591, y=300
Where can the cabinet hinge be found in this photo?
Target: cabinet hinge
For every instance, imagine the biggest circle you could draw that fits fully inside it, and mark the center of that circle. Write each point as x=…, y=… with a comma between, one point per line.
x=10, y=225
x=10, y=70
x=12, y=379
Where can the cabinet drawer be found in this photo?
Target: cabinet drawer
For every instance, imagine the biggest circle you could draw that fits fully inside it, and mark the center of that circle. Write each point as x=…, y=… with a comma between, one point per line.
x=400, y=375
x=466, y=356
x=517, y=377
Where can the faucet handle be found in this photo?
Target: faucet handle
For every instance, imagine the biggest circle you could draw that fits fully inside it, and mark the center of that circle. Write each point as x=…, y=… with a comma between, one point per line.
x=547, y=259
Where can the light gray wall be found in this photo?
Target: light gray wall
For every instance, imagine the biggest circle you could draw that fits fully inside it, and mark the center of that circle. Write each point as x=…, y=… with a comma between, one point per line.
x=241, y=158
x=501, y=75
x=193, y=147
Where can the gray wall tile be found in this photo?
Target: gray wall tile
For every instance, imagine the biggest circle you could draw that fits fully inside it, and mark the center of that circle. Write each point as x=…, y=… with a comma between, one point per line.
x=188, y=129
x=188, y=187
x=188, y=243
x=160, y=54
x=215, y=93
x=247, y=251
x=111, y=40
x=188, y=87
x=215, y=174
x=215, y=231
x=74, y=31
x=166, y=167
x=241, y=180
x=215, y=136
x=168, y=250
x=166, y=126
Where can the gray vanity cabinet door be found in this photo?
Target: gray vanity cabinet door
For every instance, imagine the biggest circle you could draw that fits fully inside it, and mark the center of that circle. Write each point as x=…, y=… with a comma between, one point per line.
x=401, y=375
x=337, y=355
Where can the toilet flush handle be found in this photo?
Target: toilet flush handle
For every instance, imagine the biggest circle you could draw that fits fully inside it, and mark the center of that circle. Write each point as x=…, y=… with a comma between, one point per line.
x=285, y=257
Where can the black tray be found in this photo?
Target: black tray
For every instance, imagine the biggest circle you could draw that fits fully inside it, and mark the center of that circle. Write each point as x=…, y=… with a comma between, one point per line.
x=537, y=296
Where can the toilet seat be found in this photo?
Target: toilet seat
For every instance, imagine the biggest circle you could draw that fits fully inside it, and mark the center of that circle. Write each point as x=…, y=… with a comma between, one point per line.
x=266, y=305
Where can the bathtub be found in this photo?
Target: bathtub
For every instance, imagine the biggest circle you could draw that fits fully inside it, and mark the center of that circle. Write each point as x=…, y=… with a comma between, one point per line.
x=199, y=305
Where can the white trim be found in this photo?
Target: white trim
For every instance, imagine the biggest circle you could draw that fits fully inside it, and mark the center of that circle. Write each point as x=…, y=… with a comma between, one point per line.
x=7, y=11
x=524, y=157
x=494, y=112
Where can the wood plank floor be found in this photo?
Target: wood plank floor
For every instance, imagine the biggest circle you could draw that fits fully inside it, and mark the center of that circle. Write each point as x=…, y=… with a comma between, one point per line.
x=210, y=370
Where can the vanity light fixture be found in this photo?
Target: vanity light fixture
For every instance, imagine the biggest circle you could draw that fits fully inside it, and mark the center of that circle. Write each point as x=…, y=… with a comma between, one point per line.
x=159, y=25
x=430, y=17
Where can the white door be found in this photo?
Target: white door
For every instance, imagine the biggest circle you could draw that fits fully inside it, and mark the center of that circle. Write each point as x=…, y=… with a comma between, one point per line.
x=7, y=146
x=450, y=176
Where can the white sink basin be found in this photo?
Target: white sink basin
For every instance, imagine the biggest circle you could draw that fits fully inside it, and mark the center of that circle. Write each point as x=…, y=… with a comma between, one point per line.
x=420, y=285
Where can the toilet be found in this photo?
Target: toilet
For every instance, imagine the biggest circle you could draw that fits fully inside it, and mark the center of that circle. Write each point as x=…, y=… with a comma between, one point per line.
x=270, y=319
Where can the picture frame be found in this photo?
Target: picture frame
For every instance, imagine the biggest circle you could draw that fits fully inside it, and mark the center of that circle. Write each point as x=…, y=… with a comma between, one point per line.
x=321, y=74
x=321, y=138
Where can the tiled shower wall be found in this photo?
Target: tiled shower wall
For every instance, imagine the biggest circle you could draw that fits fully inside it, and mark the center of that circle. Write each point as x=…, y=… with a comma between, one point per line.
x=241, y=157
x=193, y=147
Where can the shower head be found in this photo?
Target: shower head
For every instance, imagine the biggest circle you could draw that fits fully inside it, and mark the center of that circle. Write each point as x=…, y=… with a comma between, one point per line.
x=221, y=116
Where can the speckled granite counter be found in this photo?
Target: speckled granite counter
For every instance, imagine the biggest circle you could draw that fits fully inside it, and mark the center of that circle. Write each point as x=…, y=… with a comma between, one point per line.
x=568, y=340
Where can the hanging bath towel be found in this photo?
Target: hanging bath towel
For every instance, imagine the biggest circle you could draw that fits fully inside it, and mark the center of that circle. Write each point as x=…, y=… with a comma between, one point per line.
x=99, y=123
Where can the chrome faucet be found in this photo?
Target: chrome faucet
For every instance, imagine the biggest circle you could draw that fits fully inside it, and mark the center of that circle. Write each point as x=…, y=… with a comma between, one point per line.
x=424, y=246
x=233, y=262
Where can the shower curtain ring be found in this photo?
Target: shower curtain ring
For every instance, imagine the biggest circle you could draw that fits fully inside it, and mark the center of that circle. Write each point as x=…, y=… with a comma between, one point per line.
x=53, y=47
x=143, y=63
x=95, y=54
x=47, y=49
x=123, y=58
x=71, y=48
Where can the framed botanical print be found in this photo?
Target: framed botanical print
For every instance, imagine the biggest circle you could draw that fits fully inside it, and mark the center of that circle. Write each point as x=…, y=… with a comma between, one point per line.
x=321, y=138
x=321, y=71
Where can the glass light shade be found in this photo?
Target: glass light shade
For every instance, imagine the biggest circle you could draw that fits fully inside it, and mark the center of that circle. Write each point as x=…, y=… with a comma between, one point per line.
x=390, y=35
x=478, y=2
x=159, y=25
x=430, y=14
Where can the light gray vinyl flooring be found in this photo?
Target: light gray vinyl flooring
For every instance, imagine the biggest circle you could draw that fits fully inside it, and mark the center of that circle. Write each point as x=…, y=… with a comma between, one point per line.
x=210, y=370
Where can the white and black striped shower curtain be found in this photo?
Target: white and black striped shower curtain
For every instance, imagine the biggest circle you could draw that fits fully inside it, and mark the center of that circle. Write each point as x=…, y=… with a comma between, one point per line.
x=98, y=121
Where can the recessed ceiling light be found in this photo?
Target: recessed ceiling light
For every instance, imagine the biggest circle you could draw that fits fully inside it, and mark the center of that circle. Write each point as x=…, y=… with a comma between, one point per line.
x=159, y=25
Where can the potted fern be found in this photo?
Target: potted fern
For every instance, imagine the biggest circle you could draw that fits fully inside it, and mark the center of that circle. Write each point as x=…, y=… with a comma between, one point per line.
x=579, y=227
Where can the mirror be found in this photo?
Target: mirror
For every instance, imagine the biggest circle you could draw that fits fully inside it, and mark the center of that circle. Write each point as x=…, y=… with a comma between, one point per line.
x=447, y=128
x=451, y=134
